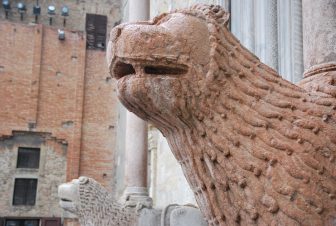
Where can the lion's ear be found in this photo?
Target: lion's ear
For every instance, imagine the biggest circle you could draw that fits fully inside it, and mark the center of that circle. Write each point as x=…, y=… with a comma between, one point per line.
x=157, y=19
x=225, y=19
x=215, y=12
x=221, y=16
x=83, y=180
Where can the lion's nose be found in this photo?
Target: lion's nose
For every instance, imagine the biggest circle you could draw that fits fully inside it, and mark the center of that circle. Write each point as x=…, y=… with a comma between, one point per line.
x=122, y=69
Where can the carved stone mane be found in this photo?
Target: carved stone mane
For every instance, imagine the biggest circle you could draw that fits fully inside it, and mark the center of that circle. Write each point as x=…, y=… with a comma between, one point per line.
x=256, y=149
x=94, y=205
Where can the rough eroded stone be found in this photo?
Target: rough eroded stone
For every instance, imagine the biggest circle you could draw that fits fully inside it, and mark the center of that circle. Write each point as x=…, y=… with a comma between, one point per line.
x=256, y=149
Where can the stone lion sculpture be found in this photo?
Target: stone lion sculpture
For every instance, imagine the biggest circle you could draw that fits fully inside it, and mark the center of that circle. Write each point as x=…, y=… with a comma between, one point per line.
x=95, y=206
x=256, y=149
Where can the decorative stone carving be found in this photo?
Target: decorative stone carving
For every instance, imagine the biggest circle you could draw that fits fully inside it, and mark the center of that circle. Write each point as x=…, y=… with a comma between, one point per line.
x=256, y=149
x=95, y=206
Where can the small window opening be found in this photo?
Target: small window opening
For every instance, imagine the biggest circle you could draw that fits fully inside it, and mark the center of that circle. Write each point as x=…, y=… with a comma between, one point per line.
x=28, y=158
x=96, y=31
x=22, y=222
x=24, y=191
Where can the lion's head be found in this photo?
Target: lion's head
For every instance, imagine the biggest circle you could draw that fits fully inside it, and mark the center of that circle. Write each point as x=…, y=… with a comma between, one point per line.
x=155, y=61
x=69, y=194
x=93, y=204
x=250, y=143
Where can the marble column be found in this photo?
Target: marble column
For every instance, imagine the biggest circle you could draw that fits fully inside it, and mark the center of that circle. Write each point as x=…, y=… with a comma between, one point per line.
x=254, y=23
x=136, y=151
x=242, y=22
x=136, y=147
x=138, y=10
x=272, y=30
x=266, y=32
x=319, y=34
x=290, y=39
x=225, y=4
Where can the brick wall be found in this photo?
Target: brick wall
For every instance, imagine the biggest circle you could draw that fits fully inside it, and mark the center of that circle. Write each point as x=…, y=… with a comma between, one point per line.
x=99, y=125
x=60, y=88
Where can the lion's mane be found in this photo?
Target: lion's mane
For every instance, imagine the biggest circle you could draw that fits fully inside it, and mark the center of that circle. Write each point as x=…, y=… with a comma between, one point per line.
x=256, y=149
x=97, y=207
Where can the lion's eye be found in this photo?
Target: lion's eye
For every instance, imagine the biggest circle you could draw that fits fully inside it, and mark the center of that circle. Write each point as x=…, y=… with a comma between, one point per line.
x=122, y=69
x=165, y=70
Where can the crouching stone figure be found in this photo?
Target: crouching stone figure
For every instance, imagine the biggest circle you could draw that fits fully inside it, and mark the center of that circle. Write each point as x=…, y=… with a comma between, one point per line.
x=95, y=206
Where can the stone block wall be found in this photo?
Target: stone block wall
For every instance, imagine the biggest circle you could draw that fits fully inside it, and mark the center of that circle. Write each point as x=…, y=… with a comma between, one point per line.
x=51, y=172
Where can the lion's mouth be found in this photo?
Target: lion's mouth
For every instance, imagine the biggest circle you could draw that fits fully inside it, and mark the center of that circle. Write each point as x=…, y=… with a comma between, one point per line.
x=68, y=205
x=142, y=68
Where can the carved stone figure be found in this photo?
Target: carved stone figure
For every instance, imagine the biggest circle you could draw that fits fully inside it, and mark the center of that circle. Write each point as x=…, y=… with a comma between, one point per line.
x=256, y=149
x=95, y=206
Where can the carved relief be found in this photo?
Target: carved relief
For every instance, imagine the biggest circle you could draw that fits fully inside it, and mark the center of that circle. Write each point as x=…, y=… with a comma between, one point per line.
x=256, y=149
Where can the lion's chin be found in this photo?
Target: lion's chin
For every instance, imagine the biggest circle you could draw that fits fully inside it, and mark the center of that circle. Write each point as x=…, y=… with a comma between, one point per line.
x=68, y=206
x=68, y=194
x=133, y=88
x=146, y=98
x=132, y=94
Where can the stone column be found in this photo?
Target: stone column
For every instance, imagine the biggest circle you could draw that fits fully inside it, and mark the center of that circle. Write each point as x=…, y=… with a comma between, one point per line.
x=254, y=23
x=319, y=34
x=242, y=22
x=290, y=39
x=138, y=10
x=225, y=4
x=136, y=146
x=266, y=32
x=136, y=151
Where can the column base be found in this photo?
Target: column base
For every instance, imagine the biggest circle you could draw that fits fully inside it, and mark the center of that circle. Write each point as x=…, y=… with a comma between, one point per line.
x=137, y=197
x=320, y=68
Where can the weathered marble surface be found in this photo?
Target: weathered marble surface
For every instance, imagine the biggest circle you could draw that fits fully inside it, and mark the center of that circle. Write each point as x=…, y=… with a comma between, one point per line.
x=321, y=30
x=256, y=149
x=95, y=206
